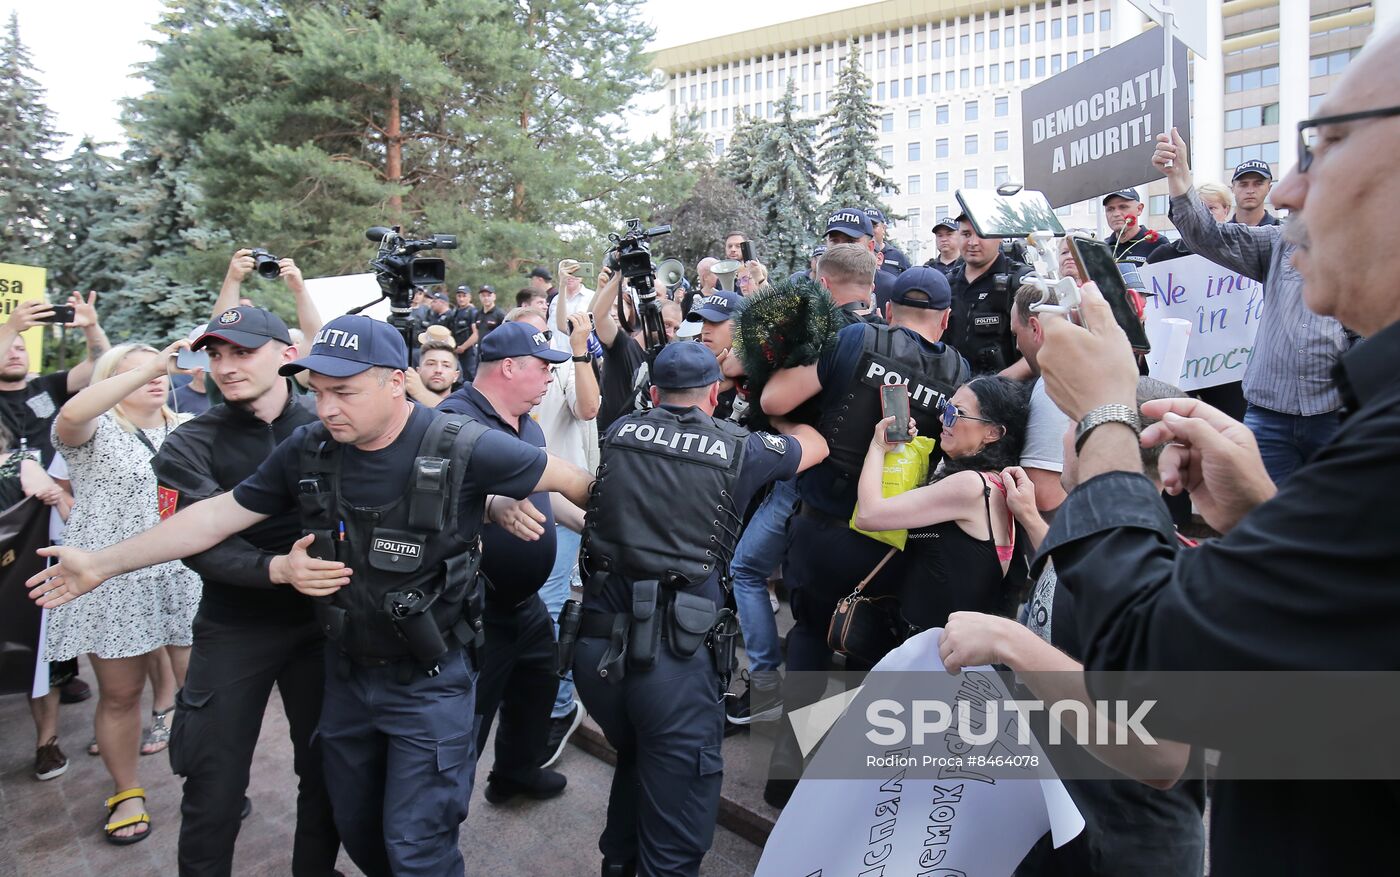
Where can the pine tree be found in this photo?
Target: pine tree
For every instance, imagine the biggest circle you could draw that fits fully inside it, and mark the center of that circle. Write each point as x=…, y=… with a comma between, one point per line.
x=27, y=137
x=785, y=177
x=749, y=140
x=86, y=200
x=849, y=148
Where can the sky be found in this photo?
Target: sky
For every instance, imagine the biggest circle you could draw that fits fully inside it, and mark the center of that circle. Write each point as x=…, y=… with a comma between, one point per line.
x=85, y=49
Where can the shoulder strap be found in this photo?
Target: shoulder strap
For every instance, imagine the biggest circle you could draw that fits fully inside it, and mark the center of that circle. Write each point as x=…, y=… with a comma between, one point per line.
x=995, y=480
x=145, y=440
x=874, y=572
x=444, y=455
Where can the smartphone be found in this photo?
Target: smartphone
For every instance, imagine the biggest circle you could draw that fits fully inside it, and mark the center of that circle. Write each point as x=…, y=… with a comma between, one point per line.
x=746, y=249
x=894, y=402
x=1095, y=260
x=192, y=359
x=1008, y=216
x=61, y=314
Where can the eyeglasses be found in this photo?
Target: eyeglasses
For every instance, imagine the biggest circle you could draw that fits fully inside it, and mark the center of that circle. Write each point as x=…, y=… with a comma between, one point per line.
x=1305, y=152
x=951, y=415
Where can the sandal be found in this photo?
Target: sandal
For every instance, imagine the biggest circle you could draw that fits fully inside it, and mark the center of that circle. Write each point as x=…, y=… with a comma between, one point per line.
x=157, y=737
x=111, y=828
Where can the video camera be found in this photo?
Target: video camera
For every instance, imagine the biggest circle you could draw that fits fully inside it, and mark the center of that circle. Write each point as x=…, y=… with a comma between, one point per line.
x=398, y=271
x=631, y=256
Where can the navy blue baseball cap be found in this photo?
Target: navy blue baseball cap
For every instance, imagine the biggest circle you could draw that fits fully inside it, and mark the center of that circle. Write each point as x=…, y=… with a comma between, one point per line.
x=682, y=365
x=244, y=326
x=850, y=221
x=937, y=296
x=351, y=344
x=876, y=216
x=1253, y=166
x=1130, y=194
x=517, y=339
x=947, y=223
x=716, y=307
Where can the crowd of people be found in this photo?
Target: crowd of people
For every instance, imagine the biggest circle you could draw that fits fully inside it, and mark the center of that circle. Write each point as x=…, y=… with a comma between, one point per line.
x=512, y=519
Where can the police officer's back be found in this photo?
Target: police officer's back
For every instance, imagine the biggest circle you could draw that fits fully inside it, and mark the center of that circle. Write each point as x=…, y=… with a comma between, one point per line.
x=654, y=646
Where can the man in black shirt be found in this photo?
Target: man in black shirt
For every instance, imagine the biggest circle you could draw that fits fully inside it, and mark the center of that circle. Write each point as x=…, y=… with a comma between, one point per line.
x=624, y=384
x=1250, y=184
x=948, y=239
x=465, y=335
x=1131, y=243
x=251, y=631
x=893, y=260
x=489, y=315
x=980, y=324
x=1277, y=591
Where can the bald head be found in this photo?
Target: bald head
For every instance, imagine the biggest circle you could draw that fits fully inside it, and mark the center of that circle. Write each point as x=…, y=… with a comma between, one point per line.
x=1342, y=194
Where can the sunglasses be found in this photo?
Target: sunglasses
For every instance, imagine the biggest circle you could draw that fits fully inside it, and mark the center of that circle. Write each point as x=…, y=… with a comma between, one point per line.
x=951, y=415
x=1307, y=132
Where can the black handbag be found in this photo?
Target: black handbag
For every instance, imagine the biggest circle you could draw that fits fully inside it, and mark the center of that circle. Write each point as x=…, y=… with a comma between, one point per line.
x=866, y=628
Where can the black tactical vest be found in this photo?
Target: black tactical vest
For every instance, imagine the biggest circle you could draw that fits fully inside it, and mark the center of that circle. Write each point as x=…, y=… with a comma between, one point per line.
x=419, y=542
x=663, y=506
x=889, y=356
x=982, y=331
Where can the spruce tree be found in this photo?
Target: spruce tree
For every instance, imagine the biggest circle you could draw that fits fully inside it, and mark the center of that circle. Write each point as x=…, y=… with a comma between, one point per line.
x=785, y=178
x=86, y=200
x=749, y=140
x=27, y=137
x=849, y=151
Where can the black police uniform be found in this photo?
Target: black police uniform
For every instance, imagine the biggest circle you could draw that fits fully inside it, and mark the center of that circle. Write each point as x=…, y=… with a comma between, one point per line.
x=895, y=260
x=655, y=648
x=248, y=635
x=461, y=322
x=488, y=320
x=980, y=325
x=518, y=654
x=947, y=269
x=884, y=290
x=396, y=725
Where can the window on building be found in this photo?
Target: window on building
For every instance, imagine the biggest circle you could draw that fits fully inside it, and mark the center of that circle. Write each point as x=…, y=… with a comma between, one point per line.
x=1157, y=204
x=979, y=42
x=1008, y=36
x=1072, y=59
x=979, y=76
x=1330, y=65
x=1054, y=64
x=1001, y=174
x=1089, y=23
x=719, y=146
x=887, y=122
x=908, y=86
x=831, y=67
x=940, y=214
x=770, y=78
x=1065, y=210
x=915, y=217
x=724, y=116
x=1002, y=107
x=948, y=47
x=1072, y=26
x=994, y=74
x=922, y=49
x=970, y=111
x=724, y=88
x=965, y=44
x=1040, y=31
x=994, y=39
x=1039, y=67
x=923, y=84
x=704, y=90
x=673, y=97
x=964, y=78
x=805, y=103
x=1026, y=68
x=1055, y=29
x=1001, y=141
x=887, y=154
x=1106, y=21
x=914, y=151
x=880, y=59
x=1088, y=53
x=894, y=89
x=1266, y=151
x=940, y=181
x=1008, y=71
x=880, y=92
x=1025, y=34
x=748, y=80
x=940, y=114
x=894, y=56
x=935, y=50
x=1258, y=77
x=970, y=144
x=804, y=72
x=914, y=186
x=915, y=119
x=940, y=148
x=970, y=179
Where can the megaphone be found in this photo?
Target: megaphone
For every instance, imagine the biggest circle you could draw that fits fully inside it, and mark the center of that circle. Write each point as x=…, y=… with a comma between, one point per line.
x=670, y=273
x=725, y=273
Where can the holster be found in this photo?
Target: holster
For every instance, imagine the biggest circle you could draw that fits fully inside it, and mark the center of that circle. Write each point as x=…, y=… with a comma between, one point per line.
x=646, y=625
x=570, y=617
x=613, y=665
x=724, y=645
x=689, y=623
x=410, y=613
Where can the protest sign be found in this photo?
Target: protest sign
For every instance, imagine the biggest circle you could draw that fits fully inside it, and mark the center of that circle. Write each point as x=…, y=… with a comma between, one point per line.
x=1188, y=21
x=906, y=822
x=20, y=283
x=1222, y=307
x=1092, y=129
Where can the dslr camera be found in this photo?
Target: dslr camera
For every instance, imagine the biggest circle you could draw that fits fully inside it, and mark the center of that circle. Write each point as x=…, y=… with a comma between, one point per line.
x=266, y=264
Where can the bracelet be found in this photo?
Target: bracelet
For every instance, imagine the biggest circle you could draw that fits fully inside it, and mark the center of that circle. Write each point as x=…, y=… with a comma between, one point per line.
x=489, y=503
x=1114, y=413
x=587, y=357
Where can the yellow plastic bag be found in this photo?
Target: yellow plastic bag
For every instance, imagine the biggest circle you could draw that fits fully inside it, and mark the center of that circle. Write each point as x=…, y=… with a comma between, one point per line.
x=905, y=469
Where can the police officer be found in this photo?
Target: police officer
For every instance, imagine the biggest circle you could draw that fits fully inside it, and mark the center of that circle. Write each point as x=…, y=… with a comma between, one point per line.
x=825, y=557
x=465, y=336
x=251, y=632
x=391, y=496
x=489, y=315
x=980, y=324
x=894, y=261
x=851, y=225
x=948, y=239
x=1132, y=242
x=711, y=321
x=654, y=647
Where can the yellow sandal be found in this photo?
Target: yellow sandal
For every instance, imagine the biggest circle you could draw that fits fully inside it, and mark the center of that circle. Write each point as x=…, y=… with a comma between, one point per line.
x=112, y=827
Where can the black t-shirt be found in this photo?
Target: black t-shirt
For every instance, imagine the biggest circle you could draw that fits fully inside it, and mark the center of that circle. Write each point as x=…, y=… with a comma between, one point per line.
x=29, y=413
x=488, y=320
x=1138, y=249
x=620, y=364
x=884, y=289
x=510, y=563
x=500, y=464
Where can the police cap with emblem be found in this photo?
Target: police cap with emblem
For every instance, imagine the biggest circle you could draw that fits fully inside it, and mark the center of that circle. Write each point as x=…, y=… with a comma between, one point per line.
x=922, y=287
x=244, y=326
x=681, y=366
x=1129, y=194
x=351, y=344
x=715, y=307
x=850, y=221
x=1253, y=166
x=514, y=340
x=876, y=217
x=947, y=223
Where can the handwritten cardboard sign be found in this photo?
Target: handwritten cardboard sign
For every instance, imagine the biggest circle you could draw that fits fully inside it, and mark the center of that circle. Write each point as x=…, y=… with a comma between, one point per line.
x=1223, y=309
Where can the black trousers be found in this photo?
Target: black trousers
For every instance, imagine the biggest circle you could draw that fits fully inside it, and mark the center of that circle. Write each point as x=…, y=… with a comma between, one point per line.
x=518, y=679
x=219, y=712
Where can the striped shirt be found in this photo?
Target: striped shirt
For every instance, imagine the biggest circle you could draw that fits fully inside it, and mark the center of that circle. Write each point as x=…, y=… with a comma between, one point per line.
x=1295, y=350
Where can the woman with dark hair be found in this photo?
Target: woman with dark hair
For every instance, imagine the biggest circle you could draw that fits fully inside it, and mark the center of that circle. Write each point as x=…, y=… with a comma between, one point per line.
x=962, y=535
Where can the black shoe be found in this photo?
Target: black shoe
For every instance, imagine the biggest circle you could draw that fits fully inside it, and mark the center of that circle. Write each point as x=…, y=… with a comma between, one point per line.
x=543, y=785
x=739, y=710
x=74, y=690
x=247, y=808
x=560, y=730
x=778, y=792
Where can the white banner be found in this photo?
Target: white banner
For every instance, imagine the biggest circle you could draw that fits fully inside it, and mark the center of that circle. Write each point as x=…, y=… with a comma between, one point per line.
x=1223, y=309
x=970, y=825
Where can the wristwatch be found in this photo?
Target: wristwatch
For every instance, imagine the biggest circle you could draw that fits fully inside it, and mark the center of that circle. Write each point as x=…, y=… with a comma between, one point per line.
x=587, y=357
x=1114, y=413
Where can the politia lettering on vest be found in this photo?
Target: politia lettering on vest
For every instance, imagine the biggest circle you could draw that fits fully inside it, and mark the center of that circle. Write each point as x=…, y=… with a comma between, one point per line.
x=919, y=394
x=674, y=439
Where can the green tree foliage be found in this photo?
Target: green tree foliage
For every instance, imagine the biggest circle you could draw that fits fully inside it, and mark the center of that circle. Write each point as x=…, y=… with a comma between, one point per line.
x=85, y=201
x=27, y=137
x=714, y=208
x=785, y=187
x=849, y=152
x=749, y=140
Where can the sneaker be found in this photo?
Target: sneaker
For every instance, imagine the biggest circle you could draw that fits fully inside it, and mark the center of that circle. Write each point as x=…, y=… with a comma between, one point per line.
x=773, y=601
x=49, y=761
x=739, y=709
x=560, y=730
x=543, y=785
x=74, y=690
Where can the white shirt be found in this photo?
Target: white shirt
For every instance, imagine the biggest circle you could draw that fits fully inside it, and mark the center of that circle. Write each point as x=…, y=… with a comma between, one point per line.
x=579, y=302
x=565, y=435
x=1044, y=447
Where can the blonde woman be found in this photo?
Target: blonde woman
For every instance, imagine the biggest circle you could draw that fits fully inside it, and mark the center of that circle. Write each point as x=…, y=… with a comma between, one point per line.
x=108, y=433
x=1218, y=200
